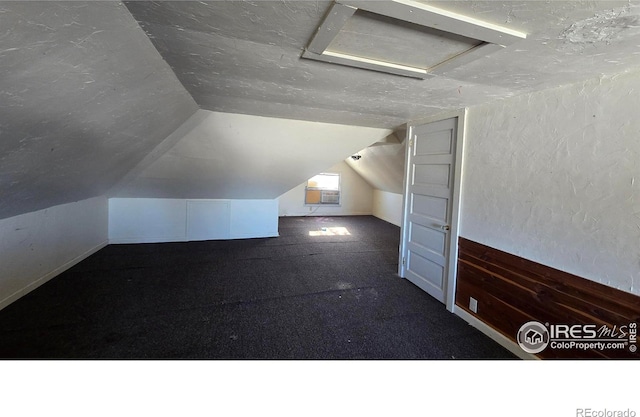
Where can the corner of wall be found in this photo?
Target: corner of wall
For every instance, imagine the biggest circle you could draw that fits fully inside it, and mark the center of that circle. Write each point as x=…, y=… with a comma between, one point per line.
x=388, y=206
x=40, y=245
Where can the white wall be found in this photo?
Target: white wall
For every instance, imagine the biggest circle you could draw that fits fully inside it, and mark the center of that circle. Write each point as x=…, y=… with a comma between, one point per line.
x=146, y=220
x=382, y=166
x=355, y=193
x=238, y=156
x=387, y=206
x=554, y=177
x=37, y=246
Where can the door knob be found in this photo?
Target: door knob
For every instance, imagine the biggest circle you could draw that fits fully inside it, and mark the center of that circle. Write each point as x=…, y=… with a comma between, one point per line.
x=445, y=227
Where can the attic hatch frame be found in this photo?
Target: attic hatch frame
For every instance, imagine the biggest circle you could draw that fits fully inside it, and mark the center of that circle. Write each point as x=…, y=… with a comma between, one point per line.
x=492, y=37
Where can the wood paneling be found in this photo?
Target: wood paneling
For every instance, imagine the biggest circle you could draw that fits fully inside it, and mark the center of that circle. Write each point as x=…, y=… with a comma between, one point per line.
x=511, y=291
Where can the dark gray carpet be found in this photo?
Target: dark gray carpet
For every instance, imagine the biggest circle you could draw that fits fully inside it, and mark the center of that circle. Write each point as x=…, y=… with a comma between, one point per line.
x=291, y=297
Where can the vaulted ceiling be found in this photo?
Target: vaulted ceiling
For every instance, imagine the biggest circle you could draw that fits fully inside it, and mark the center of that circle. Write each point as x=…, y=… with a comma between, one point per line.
x=244, y=57
x=90, y=90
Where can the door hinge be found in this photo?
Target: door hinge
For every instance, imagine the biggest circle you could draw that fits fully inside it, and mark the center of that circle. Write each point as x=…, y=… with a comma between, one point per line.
x=404, y=261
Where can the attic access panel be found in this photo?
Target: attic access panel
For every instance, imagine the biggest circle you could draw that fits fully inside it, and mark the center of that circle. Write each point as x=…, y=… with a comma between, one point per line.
x=382, y=38
x=403, y=37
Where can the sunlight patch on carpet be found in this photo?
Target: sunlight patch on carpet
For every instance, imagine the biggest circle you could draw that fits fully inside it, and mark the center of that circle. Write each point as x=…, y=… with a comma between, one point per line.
x=330, y=231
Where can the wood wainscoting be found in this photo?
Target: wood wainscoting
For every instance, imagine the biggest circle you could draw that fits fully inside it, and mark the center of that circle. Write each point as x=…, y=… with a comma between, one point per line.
x=512, y=291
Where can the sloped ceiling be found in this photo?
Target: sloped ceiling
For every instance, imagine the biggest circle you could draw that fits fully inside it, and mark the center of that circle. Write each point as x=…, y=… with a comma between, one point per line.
x=382, y=166
x=90, y=90
x=84, y=97
x=239, y=156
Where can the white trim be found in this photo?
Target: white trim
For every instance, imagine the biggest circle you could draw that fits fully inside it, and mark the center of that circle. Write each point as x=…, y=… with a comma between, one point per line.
x=369, y=64
x=402, y=270
x=446, y=114
x=48, y=276
x=333, y=22
x=147, y=239
x=325, y=214
x=490, y=37
x=418, y=71
x=501, y=339
x=436, y=18
x=253, y=236
x=455, y=211
x=464, y=58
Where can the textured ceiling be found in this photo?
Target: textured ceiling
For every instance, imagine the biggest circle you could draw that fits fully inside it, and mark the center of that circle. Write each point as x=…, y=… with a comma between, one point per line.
x=90, y=90
x=244, y=57
x=84, y=97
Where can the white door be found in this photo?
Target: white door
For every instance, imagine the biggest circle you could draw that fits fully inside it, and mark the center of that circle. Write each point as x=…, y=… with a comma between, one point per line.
x=428, y=202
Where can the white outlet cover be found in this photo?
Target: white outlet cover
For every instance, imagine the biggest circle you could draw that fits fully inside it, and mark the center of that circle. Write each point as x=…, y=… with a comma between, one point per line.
x=473, y=304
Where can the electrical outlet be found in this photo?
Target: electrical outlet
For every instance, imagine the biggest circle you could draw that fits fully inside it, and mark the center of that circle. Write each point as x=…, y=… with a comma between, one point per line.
x=473, y=304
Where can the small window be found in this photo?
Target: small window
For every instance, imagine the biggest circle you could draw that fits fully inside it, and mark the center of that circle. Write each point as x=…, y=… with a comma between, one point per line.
x=323, y=189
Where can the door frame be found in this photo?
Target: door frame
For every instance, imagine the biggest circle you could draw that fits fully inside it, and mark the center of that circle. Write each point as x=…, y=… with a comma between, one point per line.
x=452, y=264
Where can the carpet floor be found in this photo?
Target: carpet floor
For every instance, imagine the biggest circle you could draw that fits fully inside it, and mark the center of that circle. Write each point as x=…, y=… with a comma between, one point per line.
x=296, y=296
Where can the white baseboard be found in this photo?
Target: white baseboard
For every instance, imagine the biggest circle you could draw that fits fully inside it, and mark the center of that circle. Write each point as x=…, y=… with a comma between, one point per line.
x=493, y=334
x=253, y=235
x=176, y=239
x=129, y=240
x=322, y=214
x=47, y=277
